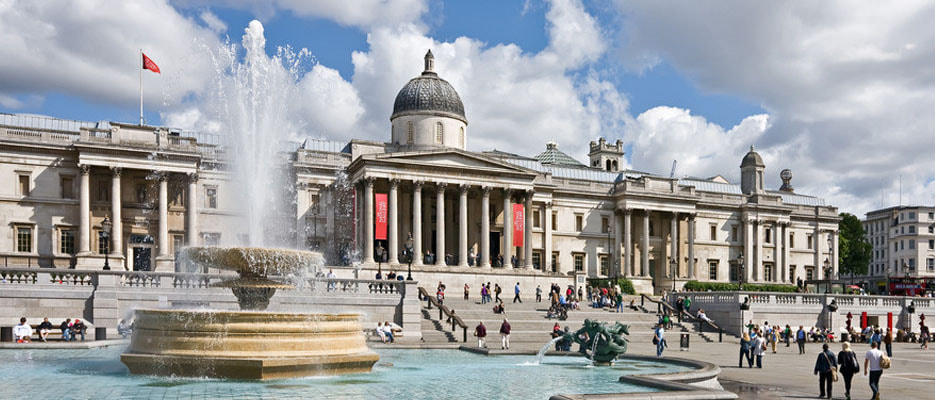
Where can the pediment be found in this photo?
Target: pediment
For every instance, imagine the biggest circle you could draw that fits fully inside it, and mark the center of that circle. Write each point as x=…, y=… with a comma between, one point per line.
x=450, y=159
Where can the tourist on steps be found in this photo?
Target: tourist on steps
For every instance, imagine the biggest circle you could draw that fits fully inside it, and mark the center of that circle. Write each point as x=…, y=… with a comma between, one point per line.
x=481, y=333
x=66, y=330
x=759, y=347
x=800, y=339
x=516, y=294
x=823, y=368
x=505, y=335
x=538, y=294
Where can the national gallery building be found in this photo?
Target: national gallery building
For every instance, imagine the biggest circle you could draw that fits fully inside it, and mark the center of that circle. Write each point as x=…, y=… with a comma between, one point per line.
x=75, y=194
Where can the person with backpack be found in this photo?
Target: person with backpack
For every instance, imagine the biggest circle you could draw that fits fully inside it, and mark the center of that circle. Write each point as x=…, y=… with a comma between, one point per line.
x=874, y=364
x=800, y=339
x=826, y=369
x=847, y=360
x=746, y=345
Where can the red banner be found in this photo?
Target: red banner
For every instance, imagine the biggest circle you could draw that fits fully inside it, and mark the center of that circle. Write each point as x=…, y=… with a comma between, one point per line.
x=380, y=231
x=518, y=223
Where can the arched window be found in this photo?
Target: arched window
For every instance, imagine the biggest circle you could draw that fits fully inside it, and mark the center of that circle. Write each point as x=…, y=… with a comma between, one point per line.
x=608, y=165
x=439, y=132
x=615, y=165
x=461, y=136
x=409, y=132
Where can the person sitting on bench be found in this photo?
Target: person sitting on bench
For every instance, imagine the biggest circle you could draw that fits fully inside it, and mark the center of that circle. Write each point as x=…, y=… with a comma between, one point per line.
x=44, y=328
x=22, y=332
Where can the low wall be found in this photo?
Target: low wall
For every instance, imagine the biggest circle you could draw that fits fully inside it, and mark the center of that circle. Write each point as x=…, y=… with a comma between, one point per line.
x=806, y=309
x=105, y=297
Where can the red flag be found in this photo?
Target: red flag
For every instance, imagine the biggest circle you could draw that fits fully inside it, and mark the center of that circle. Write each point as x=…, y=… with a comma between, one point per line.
x=518, y=224
x=380, y=233
x=149, y=64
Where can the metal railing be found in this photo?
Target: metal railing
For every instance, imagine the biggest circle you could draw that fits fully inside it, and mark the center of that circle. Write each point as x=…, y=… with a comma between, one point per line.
x=682, y=314
x=443, y=310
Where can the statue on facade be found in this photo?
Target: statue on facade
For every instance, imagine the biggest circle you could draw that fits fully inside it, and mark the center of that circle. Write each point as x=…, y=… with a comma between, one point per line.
x=599, y=342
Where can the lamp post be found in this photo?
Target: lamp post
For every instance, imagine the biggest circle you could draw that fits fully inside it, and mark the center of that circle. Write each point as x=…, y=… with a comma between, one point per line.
x=108, y=229
x=827, y=265
x=409, y=251
x=740, y=266
x=675, y=269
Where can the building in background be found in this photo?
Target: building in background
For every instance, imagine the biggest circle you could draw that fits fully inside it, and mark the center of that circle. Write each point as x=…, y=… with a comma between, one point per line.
x=473, y=214
x=903, y=240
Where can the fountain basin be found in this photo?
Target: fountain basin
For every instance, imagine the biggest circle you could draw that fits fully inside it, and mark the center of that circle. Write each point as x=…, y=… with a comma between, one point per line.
x=246, y=345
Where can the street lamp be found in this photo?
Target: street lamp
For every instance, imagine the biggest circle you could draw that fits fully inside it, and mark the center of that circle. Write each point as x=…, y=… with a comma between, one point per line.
x=108, y=230
x=827, y=265
x=740, y=266
x=409, y=251
x=674, y=264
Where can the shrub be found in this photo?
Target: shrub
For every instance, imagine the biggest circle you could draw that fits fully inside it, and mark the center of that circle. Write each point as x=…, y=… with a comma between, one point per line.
x=626, y=285
x=696, y=286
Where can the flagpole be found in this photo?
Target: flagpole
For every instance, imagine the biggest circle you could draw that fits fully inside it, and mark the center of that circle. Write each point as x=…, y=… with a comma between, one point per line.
x=140, y=66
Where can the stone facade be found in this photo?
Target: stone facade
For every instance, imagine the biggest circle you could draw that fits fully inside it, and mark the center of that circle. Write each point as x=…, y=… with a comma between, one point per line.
x=903, y=240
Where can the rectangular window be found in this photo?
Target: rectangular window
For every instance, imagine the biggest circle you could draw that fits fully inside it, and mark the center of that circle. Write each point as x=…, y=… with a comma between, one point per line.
x=555, y=255
x=931, y=244
x=808, y=239
x=895, y=246
x=792, y=273
x=912, y=229
x=902, y=230
x=902, y=245
x=712, y=270
x=930, y=264
x=554, y=221
x=67, y=184
x=211, y=197
x=67, y=241
x=791, y=240
x=23, y=239
x=579, y=222
x=178, y=241
x=912, y=215
x=809, y=273
x=605, y=225
x=652, y=229
x=734, y=233
x=103, y=190
x=712, y=233
x=768, y=235
x=768, y=271
x=537, y=260
x=579, y=262
x=931, y=216
x=535, y=219
x=912, y=264
x=103, y=245
x=22, y=188
x=604, y=268
x=931, y=229
x=912, y=244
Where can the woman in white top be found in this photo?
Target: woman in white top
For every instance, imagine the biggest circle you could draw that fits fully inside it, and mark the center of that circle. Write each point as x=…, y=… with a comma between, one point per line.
x=22, y=332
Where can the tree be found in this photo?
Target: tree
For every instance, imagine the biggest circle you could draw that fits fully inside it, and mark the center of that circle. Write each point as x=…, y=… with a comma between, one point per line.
x=854, y=249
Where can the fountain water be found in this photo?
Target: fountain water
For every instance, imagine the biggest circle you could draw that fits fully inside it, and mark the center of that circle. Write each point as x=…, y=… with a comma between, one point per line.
x=545, y=348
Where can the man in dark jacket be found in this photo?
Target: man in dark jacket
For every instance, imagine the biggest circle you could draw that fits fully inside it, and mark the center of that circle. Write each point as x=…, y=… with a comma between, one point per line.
x=823, y=365
x=79, y=328
x=504, y=335
x=66, y=330
x=481, y=332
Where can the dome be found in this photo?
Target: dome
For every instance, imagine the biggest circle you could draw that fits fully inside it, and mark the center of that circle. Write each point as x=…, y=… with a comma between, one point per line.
x=752, y=159
x=428, y=94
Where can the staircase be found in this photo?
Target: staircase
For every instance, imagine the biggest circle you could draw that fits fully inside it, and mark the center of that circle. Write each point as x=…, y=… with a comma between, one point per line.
x=709, y=334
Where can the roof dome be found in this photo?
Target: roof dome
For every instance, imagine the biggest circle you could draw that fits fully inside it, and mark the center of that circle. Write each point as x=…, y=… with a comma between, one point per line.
x=428, y=94
x=752, y=159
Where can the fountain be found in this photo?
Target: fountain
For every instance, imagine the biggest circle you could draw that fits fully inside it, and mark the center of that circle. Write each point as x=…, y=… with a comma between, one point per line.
x=251, y=343
x=605, y=343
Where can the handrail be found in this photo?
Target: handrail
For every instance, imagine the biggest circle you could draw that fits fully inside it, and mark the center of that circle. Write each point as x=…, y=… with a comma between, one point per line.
x=681, y=313
x=444, y=310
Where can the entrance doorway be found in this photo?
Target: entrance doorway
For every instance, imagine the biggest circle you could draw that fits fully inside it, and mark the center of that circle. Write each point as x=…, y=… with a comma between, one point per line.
x=142, y=259
x=494, y=248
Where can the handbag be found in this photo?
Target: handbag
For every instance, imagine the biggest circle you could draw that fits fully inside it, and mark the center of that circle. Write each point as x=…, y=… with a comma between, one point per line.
x=834, y=370
x=655, y=340
x=884, y=361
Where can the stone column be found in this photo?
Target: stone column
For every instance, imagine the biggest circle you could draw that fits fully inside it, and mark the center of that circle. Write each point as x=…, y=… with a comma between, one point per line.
x=834, y=254
x=394, y=223
x=748, y=250
x=787, y=277
x=758, y=267
x=463, y=226
x=485, y=227
x=368, y=221
x=191, y=212
x=644, y=251
x=616, y=263
x=816, y=245
x=507, y=247
x=527, y=232
x=163, y=215
x=84, y=227
x=440, y=224
x=417, y=223
x=547, y=237
x=674, y=245
x=116, y=237
x=691, y=247
x=627, y=245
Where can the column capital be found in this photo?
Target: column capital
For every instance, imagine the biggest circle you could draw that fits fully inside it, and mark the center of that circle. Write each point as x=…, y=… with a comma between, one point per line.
x=85, y=169
x=394, y=183
x=548, y=205
x=507, y=192
x=417, y=185
x=691, y=216
x=485, y=190
x=441, y=186
x=624, y=211
x=368, y=180
x=116, y=171
x=463, y=188
x=161, y=176
x=192, y=177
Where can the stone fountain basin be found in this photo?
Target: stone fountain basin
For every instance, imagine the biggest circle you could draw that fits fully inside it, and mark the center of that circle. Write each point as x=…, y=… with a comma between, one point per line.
x=254, y=261
x=246, y=345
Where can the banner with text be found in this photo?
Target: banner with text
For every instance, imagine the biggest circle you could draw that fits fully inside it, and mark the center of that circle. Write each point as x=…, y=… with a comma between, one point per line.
x=518, y=224
x=380, y=231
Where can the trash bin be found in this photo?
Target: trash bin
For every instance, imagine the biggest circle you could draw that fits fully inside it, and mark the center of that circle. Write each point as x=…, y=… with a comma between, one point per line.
x=683, y=342
x=6, y=333
x=100, y=333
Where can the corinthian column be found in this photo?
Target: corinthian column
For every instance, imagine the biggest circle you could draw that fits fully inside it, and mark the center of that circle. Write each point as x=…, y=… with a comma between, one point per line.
x=527, y=232
x=485, y=227
x=417, y=223
x=84, y=224
x=507, y=228
x=394, y=223
x=163, y=215
x=463, y=225
x=191, y=212
x=368, y=221
x=440, y=224
x=116, y=237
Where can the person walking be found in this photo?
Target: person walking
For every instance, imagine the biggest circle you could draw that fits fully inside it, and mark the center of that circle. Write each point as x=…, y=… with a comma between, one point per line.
x=745, y=346
x=800, y=339
x=848, y=366
x=888, y=341
x=538, y=294
x=481, y=333
x=759, y=347
x=825, y=368
x=873, y=361
x=774, y=338
x=467, y=291
x=687, y=304
x=659, y=339
x=516, y=294
x=483, y=294
x=788, y=334
x=505, y=335
x=496, y=291
x=619, y=300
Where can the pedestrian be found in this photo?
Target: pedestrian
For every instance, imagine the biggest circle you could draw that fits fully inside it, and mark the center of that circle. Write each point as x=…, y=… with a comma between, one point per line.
x=516, y=294
x=924, y=337
x=619, y=300
x=483, y=294
x=825, y=368
x=687, y=304
x=538, y=294
x=467, y=291
x=505, y=335
x=788, y=334
x=873, y=365
x=848, y=365
x=745, y=346
x=888, y=341
x=800, y=339
x=481, y=333
x=496, y=292
x=759, y=348
x=774, y=338
x=659, y=339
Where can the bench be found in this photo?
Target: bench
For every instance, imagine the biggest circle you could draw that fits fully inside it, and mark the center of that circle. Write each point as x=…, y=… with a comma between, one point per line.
x=54, y=334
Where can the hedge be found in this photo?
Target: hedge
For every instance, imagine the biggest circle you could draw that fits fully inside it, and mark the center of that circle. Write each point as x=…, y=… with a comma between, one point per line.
x=696, y=286
x=626, y=285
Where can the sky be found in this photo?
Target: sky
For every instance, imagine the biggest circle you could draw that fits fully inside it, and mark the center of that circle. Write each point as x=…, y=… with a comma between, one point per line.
x=840, y=93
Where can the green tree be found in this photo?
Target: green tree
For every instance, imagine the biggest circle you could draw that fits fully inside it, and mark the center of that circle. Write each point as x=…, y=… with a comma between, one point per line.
x=854, y=249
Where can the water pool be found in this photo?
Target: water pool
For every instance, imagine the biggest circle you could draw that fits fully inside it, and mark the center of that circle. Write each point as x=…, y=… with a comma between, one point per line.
x=400, y=374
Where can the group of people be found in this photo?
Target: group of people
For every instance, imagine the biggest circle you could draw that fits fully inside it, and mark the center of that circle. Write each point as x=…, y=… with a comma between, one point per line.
x=480, y=332
x=390, y=276
x=827, y=366
x=606, y=298
x=23, y=332
x=387, y=331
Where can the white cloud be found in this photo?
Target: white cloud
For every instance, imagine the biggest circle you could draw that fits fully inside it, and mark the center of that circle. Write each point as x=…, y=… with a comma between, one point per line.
x=360, y=13
x=849, y=90
x=213, y=22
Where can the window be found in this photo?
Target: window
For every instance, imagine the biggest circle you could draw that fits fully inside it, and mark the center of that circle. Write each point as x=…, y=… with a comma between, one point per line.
x=895, y=246
x=66, y=241
x=809, y=273
x=768, y=235
x=902, y=245
x=141, y=193
x=23, y=239
x=605, y=225
x=931, y=244
x=902, y=230
x=103, y=190
x=555, y=261
x=211, y=196
x=461, y=136
x=931, y=216
x=579, y=222
x=178, y=241
x=734, y=233
x=912, y=244
x=23, y=187
x=535, y=219
x=808, y=240
x=103, y=245
x=410, y=132
x=912, y=229
x=537, y=260
x=792, y=273
x=579, y=262
x=931, y=228
x=712, y=234
x=768, y=272
x=712, y=270
x=439, y=133
x=912, y=264
x=652, y=229
x=554, y=221
x=67, y=184
x=791, y=240
x=603, y=259
x=912, y=215
x=930, y=264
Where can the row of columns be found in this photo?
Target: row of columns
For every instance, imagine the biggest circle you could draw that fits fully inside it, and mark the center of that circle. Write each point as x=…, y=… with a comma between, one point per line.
x=754, y=239
x=84, y=227
x=629, y=269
